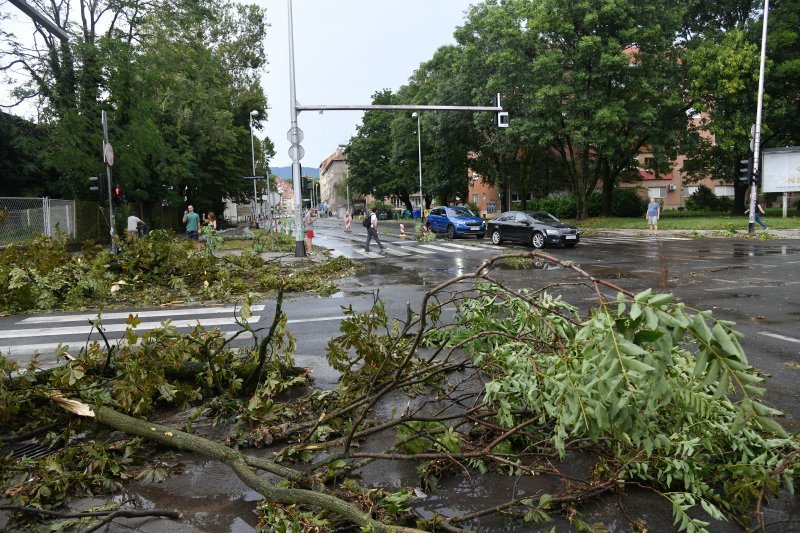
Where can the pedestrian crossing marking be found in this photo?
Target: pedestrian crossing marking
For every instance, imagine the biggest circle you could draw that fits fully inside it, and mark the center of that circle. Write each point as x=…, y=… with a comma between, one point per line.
x=453, y=245
x=111, y=328
x=177, y=311
x=371, y=255
x=396, y=253
x=437, y=248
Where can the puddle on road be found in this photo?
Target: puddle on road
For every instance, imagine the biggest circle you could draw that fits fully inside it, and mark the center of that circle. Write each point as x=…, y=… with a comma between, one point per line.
x=745, y=250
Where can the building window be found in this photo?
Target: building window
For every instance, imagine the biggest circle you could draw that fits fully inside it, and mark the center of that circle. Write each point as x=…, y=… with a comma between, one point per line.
x=475, y=199
x=657, y=192
x=688, y=191
x=723, y=190
x=517, y=197
x=491, y=207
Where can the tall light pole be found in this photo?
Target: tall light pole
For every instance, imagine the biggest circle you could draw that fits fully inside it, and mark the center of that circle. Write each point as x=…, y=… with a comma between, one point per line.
x=253, y=115
x=757, y=133
x=419, y=153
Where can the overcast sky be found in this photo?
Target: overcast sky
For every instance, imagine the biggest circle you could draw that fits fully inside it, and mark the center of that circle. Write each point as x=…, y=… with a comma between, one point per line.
x=345, y=50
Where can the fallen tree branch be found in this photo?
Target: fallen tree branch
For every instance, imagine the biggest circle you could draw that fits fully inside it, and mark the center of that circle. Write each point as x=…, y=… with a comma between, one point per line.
x=107, y=516
x=235, y=460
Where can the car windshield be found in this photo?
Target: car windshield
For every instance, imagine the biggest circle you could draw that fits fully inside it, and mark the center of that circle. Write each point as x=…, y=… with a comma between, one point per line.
x=459, y=212
x=543, y=216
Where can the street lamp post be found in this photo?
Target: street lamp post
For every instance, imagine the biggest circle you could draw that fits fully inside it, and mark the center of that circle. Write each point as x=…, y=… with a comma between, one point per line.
x=419, y=153
x=253, y=115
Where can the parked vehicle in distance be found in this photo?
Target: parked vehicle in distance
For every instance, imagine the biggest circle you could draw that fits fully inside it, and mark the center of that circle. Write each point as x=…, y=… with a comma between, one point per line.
x=537, y=228
x=455, y=221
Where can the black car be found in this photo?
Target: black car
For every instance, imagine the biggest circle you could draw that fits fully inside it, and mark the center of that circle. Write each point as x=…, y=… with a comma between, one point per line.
x=537, y=228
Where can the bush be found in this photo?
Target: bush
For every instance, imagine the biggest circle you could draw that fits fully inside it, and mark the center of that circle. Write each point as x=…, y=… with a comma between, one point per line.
x=624, y=203
x=703, y=199
x=379, y=207
x=562, y=205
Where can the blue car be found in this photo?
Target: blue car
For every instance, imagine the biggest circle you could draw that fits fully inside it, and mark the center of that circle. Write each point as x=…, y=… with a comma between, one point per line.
x=455, y=221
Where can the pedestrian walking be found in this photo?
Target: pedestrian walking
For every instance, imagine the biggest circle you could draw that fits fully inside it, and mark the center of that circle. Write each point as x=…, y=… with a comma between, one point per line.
x=192, y=221
x=348, y=221
x=652, y=216
x=372, y=232
x=308, y=225
x=758, y=212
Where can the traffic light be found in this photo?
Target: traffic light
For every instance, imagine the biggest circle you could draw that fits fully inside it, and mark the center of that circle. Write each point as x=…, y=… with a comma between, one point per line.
x=501, y=118
x=96, y=186
x=117, y=195
x=746, y=170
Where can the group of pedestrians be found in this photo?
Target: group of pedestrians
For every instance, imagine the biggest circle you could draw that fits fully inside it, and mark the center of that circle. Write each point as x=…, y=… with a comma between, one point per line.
x=193, y=222
x=370, y=223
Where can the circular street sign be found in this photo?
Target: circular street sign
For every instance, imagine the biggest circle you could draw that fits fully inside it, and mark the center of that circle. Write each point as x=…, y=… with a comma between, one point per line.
x=294, y=135
x=296, y=152
x=108, y=155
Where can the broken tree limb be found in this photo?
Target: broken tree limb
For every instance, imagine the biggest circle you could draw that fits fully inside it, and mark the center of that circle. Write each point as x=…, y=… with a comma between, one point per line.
x=234, y=459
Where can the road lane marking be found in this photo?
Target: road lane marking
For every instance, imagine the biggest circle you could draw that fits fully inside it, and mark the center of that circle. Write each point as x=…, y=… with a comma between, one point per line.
x=437, y=248
x=110, y=328
x=781, y=337
x=454, y=245
x=396, y=253
x=43, y=348
x=371, y=255
x=178, y=311
x=321, y=319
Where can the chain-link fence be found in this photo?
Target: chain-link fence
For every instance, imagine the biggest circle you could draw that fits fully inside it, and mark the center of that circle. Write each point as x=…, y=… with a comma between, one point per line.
x=22, y=218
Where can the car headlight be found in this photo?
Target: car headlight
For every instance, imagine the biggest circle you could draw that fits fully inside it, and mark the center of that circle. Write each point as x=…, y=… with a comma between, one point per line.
x=553, y=232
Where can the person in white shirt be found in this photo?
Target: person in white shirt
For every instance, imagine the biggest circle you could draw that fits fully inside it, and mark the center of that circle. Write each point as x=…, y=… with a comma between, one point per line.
x=133, y=225
x=372, y=232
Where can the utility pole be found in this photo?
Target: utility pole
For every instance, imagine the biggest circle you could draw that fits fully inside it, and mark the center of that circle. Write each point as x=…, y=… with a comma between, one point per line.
x=757, y=134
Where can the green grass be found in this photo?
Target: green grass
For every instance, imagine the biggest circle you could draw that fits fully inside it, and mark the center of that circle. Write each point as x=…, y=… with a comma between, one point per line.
x=773, y=219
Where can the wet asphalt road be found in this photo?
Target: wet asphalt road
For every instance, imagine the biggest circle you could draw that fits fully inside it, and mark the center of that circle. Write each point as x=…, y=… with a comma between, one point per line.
x=751, y=282
x=754, y=283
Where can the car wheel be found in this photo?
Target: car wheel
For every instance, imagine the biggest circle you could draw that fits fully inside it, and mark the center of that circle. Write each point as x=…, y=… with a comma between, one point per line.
x=451, y=232
x=537, y=239
x=480, y=236
x=496, y=239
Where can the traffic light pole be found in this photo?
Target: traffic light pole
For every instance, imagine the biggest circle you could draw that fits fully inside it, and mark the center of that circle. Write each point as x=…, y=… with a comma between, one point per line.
x=751, y=222
x=108, y=182
x=295, y=134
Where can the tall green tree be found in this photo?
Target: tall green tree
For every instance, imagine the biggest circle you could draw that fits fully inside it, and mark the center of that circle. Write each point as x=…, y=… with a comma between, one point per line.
x=594, y=81
x=178, y=82
x=372, y=167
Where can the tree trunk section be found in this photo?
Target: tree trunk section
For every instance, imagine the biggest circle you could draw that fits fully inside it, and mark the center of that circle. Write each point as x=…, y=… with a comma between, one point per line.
x=236, y=461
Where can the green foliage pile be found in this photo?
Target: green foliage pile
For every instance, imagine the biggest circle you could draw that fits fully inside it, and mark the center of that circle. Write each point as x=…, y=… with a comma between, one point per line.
x=158, y=269
x=141, y=373
x=665, y=392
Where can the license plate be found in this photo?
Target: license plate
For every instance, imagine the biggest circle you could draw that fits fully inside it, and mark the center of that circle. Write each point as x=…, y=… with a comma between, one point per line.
x=474, y=228
x=570, y=237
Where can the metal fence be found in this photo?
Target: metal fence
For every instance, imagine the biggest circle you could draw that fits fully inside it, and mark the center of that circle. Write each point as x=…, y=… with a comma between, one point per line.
x=22, y=218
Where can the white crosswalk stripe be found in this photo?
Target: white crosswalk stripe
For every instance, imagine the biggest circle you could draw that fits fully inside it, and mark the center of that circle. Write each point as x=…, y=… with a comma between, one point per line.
x=418, y=250
x=453, y=245
x=114, y=328
x=437, y=248
x=395, y=252
x=226, y=310
x=371, y=255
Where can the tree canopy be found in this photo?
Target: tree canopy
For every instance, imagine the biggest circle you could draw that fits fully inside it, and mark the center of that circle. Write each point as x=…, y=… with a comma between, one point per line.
x=177, y=80
x=590, y=87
